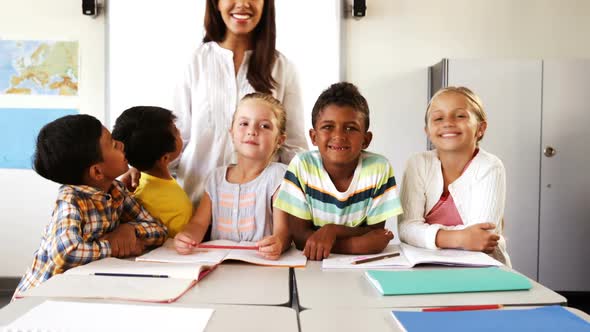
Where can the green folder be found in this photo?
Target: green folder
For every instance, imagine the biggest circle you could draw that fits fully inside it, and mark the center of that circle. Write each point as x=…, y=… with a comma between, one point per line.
x=453, y=280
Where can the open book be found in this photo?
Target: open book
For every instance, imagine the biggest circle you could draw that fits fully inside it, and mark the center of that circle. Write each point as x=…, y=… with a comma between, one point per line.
x=113, y=278
x=410, y=256
x=215, y=252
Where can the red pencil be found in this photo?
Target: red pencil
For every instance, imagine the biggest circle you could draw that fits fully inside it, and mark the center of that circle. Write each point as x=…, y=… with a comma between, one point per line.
x=466, y=307
x=214, y=246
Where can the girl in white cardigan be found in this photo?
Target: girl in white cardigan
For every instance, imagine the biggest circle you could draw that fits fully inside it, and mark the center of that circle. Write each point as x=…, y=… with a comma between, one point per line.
x=453, y=197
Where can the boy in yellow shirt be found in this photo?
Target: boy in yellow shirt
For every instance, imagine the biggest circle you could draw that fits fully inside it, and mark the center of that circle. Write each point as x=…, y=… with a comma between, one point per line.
x=152, y=141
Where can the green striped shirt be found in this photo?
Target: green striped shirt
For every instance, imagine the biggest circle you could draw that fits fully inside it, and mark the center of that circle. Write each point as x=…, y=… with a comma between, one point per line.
x=307, y=192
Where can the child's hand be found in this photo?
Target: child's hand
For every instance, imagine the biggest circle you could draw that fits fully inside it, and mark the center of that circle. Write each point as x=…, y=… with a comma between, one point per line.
x=139, y=248
x=478, y=238
x=271, y=247
x=123, y=241
x=184, y=243
x=131, y=178
x=320, y=243
x=374, y=241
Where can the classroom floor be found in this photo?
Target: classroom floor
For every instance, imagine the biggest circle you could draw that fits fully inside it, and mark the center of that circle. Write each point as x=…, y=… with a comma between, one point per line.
x=578, y=300
x=7, y=286
x=4, y=300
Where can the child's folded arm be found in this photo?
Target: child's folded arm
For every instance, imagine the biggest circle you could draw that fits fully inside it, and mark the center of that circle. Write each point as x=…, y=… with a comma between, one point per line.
x=370, y=239
x=300, y=230
x=147, y=228
x=68, y=247
x=343, y=231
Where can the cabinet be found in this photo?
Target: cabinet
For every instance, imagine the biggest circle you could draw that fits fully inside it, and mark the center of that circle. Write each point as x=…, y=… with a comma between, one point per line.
x=532, y=106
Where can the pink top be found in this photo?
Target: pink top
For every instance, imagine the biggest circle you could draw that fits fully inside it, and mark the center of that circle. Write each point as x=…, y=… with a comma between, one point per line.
x=445, y=212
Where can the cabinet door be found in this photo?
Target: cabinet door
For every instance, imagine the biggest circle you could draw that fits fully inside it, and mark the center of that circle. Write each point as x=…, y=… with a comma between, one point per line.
x=565, y=183
x=511, y=95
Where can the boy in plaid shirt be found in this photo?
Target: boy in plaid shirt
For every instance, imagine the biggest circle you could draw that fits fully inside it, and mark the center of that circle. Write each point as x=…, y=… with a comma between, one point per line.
x=94, y=215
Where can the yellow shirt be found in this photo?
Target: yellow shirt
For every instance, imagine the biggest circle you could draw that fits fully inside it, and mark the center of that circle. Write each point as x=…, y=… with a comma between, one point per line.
x=165, y=200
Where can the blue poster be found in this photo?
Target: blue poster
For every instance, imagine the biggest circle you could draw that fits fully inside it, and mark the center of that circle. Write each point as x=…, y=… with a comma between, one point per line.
x=19, y=128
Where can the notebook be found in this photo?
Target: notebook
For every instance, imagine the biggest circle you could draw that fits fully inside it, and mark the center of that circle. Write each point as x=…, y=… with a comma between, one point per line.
x=113, y=278
x=485, y=279
x=411, y=256
x=550, y=318
x=89, y=316
x=218, y=251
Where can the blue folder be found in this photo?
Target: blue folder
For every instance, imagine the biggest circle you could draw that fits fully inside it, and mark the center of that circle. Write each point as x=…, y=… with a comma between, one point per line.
x=550, y=318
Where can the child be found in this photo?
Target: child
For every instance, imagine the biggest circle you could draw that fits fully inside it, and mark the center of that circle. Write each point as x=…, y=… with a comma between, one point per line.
x=453, y=196
x=238, y=198
x=94, y=215
x=151, y=142
x=340, y=196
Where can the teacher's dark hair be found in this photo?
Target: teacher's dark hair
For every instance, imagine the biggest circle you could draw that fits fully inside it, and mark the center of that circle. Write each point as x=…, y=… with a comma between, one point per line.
x=264, y=38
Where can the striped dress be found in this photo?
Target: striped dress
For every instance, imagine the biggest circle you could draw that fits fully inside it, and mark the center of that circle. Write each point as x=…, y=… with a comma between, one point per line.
x=307, y=192
x=243, y=212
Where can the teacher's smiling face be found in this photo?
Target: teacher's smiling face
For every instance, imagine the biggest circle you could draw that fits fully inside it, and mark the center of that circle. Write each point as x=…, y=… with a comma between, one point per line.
x=240, y=16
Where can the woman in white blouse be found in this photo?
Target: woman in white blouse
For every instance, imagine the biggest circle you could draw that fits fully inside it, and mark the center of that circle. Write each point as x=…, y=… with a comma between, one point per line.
x=237, y=57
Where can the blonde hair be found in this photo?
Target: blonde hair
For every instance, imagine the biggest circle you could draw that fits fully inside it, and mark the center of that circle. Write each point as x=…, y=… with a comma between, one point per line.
x=475, y=104
x=275, y=106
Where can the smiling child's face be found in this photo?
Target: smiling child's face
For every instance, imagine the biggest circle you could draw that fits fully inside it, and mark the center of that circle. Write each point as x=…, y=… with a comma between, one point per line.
x=452, y=126
x=340, y=135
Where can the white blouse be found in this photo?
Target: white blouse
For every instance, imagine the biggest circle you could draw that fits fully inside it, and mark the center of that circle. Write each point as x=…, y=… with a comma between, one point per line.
x=479, y=195
x=205, y=103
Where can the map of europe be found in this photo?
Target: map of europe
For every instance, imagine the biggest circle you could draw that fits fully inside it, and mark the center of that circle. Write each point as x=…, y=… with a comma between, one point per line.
x=39, y=67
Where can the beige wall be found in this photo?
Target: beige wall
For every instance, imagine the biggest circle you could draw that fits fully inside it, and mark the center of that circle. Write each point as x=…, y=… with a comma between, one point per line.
x=387, y=53
x=26, y=199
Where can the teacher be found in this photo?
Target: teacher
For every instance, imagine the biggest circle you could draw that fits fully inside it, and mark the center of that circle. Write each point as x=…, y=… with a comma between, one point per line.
x=237, y=57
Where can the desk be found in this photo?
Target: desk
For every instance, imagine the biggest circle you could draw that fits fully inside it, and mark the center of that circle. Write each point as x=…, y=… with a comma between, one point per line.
x=241, y=283
x=228, y=283
x=225, y=317
x=374, y=320
x=350, y=289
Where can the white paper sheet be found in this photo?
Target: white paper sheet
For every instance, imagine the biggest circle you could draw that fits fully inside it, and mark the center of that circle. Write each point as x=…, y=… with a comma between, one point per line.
x=82, y=316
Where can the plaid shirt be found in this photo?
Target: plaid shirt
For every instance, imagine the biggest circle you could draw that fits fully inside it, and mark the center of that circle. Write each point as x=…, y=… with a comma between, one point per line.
x=83, y=214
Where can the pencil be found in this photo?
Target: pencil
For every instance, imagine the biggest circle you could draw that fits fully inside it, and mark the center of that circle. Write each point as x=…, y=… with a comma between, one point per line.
x=466, y=307
x=376, y=258
x=216, y=246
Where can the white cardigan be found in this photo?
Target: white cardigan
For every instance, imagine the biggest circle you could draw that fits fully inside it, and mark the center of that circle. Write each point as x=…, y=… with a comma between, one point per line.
x=205, y=102
x=479, y=194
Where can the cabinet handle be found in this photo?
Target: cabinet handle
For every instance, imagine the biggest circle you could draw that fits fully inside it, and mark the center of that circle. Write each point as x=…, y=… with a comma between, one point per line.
x=549, y=151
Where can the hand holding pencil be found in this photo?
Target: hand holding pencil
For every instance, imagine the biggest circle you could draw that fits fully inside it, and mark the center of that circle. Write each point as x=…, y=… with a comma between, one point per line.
x=184, y=243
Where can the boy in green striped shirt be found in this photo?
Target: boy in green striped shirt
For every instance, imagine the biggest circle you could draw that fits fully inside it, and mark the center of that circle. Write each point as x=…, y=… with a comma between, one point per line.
x=339, y=196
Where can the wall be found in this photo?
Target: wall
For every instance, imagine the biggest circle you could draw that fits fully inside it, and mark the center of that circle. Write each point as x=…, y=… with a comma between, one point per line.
x=145, y=62
x=26, y=199
x=387, y=53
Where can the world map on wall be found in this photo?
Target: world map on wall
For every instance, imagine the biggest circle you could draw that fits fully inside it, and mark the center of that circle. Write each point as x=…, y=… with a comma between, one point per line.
x=39, y=67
